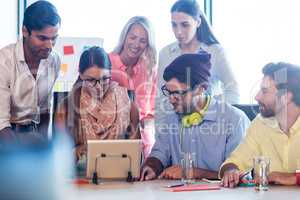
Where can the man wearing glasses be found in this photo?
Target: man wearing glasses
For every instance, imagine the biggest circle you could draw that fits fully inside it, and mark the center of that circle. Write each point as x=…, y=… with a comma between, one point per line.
x=211, y=129
x=28, y=70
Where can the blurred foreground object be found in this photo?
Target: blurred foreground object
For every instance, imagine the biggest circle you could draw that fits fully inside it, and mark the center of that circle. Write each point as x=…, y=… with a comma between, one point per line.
x=36, y=171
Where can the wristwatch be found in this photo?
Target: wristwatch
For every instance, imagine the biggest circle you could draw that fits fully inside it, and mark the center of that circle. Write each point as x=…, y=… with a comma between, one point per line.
x=298, y=177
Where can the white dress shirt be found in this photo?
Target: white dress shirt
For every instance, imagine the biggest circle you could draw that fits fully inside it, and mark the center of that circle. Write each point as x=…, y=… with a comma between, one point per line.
x=22, y=97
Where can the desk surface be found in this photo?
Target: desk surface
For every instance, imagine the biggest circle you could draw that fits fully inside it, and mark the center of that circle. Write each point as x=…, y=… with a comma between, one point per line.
x=155, y=190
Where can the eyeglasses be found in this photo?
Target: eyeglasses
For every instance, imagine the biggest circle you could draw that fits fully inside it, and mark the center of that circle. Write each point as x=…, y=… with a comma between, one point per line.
x=176, y=93
x=102, y=81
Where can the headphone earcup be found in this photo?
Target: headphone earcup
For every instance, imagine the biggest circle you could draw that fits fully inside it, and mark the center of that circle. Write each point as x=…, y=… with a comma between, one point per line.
x=185, y=121
x=193, y=119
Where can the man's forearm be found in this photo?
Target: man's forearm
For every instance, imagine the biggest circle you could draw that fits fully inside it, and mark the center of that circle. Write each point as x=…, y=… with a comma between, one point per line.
x=282, y=178
x=226, y=167
x=204, y=173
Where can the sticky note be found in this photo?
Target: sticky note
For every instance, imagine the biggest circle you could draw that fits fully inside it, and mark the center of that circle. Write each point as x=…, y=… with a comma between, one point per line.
x=68, y=50
x=58, y=86
x=64, y=68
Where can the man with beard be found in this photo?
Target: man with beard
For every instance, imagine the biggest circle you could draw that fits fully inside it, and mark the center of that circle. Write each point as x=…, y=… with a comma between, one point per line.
x=28, y=70
x=275, y=133
x=210, y=130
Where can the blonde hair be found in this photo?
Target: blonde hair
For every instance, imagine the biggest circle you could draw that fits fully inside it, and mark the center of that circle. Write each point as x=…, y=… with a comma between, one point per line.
x=149, y=56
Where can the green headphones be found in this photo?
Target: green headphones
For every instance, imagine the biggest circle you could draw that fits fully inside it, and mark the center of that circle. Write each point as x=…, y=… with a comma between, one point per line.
x=195, y=118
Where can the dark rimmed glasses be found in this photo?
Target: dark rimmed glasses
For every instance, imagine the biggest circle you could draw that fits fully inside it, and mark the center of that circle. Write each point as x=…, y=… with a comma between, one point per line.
x=102, y=81
x=176, y=93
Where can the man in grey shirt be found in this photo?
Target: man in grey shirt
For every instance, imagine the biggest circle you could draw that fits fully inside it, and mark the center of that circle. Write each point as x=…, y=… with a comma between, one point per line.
x=28, y=70
x=199, y=124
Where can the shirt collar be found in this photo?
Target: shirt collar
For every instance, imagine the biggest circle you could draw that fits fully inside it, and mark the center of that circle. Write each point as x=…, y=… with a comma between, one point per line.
x=20, y=51
x=176, y=49
x=273, y=123
x=211, y=113
x=123, y=67
x=295, y=129
x=269, y=121
x=21, y=57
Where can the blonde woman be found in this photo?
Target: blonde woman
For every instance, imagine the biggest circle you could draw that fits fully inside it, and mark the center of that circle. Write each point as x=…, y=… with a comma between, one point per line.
x=134, y=67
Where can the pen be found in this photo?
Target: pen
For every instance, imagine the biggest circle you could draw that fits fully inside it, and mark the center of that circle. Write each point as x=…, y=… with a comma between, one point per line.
x=177, y=185
x=211, y=180
x=245, y=173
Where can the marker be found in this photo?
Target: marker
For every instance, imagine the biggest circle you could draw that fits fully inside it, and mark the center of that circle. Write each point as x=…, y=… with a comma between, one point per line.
x=177, y=185
x=242, y=175
x=210, y=180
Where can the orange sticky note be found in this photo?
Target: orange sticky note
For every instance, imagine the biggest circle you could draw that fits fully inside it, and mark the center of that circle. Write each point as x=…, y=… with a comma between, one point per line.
x=68, y=50
x=64, y=68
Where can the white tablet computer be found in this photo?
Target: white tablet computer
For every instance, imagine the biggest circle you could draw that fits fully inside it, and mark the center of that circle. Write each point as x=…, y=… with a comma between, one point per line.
x=113, y=159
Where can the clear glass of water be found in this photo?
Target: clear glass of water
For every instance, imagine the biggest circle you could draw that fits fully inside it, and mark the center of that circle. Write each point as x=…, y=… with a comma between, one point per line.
x=187, y=165
x=261, y=165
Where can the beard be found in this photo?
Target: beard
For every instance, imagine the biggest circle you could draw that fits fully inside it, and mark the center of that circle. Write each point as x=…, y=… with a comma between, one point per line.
x=177, y=108
x=183, y=109
x=266, y=111
x=43, y=54
x=37, y=52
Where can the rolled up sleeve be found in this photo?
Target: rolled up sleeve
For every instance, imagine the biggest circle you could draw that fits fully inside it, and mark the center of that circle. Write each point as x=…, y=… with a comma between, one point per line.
x=242, y=156
x=239, y=131
x=161, y=148
x=5, y=98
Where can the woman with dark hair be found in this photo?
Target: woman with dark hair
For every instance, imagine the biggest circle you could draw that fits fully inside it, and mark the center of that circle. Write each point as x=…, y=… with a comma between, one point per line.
x=194, y=35
x=97, y=108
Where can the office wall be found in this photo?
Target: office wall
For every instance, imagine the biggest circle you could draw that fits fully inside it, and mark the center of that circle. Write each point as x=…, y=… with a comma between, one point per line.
x=8, y=21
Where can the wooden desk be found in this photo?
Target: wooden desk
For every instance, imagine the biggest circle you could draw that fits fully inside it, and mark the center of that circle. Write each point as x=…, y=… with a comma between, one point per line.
x=154, y=190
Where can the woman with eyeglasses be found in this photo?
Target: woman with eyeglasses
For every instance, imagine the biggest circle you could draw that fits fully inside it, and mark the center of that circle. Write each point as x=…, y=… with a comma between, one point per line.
x=97, y=108
x=134, y=67
x=194, y=35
